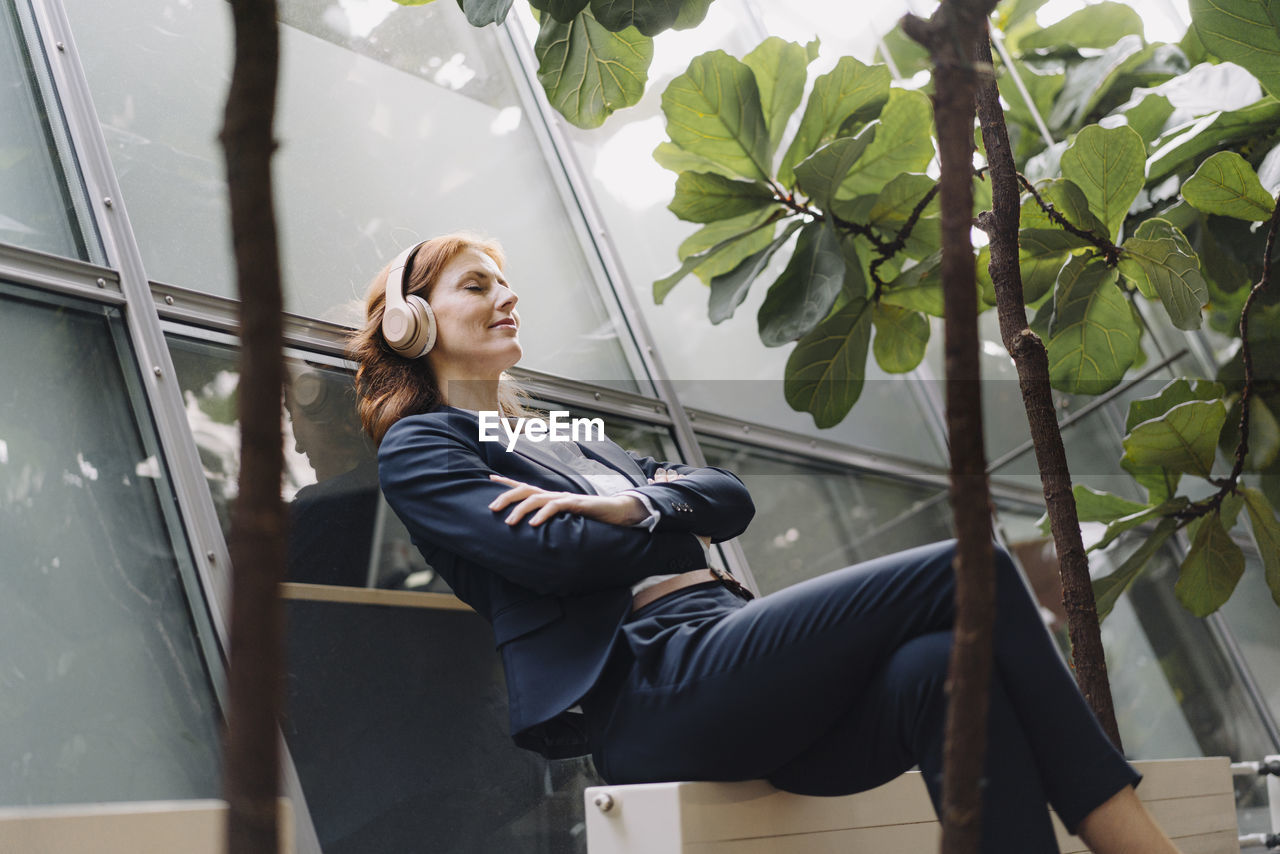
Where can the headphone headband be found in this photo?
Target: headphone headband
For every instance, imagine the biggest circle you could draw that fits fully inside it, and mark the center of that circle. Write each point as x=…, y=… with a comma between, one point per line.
x=408, y=325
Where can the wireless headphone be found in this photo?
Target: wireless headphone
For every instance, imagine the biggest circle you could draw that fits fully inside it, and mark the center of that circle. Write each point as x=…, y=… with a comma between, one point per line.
x=408, y=324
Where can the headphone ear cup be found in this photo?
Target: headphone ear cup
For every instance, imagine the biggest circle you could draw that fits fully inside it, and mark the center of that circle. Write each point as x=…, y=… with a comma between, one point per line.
x=410, y=328
x=425, y=336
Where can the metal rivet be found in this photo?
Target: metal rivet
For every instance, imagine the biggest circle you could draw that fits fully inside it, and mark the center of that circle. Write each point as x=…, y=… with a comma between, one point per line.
x=156, y=370
x=210, y=556
x=746, y=428
x=102, y=283
x=106, y=200
x=603, y=801
x=597, y=395
x=693, y=416
x=60, y=46
x=168, y=300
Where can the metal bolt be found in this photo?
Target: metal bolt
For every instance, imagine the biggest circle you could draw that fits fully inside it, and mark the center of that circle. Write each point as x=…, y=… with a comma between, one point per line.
x=106, y=200
x=210, y=556
x=168, y=300
x=693, y=416
x=746, y=428
x=60, y=46
x=102, y=283
x=603, y=801
x=597, y=395
x=156, y=370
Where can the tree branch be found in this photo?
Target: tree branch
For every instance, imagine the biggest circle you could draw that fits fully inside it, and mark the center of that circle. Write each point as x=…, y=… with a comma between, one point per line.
x=950, y=35
x=1032, y=363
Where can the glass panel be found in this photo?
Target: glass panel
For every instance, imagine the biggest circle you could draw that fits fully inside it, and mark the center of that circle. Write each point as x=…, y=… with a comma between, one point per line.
x=35, y=201
x=722, y=368
x=396, y=124
x=812, y=519
x=104, y=695
x=1176, y=692
x=397, y=715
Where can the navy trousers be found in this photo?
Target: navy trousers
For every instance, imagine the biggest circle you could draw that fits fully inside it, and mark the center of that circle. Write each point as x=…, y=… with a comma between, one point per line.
x=836, y=685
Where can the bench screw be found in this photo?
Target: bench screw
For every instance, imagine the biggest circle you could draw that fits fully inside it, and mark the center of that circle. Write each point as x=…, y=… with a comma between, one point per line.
x=603, y=801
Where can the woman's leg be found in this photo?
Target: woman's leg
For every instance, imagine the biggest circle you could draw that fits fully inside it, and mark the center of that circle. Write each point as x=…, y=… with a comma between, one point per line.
x=722, y=690
x=903, y=715
x=1122, y=825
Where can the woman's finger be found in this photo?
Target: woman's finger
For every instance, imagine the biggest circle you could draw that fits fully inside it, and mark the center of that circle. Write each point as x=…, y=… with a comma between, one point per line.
x=517, y=492
x=531, y=503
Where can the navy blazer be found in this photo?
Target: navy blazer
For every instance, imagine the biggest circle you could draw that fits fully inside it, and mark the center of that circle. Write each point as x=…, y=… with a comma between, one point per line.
x=556, y=594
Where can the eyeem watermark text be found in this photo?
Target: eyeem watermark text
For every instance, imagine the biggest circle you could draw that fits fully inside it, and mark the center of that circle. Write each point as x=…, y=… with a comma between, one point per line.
x=559, y=427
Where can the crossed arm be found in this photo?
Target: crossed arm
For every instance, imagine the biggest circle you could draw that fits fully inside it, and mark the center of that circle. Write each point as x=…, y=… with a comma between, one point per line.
x=449, y=498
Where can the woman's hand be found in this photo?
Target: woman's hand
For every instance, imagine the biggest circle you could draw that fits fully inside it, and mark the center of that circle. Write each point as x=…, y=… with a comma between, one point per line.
x=621, y=510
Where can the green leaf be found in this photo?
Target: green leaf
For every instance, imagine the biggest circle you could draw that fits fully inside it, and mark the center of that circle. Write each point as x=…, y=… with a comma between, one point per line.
x=713, y=110
x=587, y=71
x=1183, y=439
x=1179, y=146
x=1147, y=115
x=1155, y=261
x=1174, y=392
x=563, y=11
x=1093, y=338
x=1088, y=82
x=908, y=55
x=1106, y=591
x=1226, y=185
x=715, y=232
x=850, y=88
x=819, y=175
x=1160, y=483
x=780, y=70
x=673, y=157
x=894, y=205
x=803, y=294
x=1211, y=568
x=1244, y=31
x=918, y=288
x=901, y=338
x=826, y=370
x=903, y=143
x=1095, y=506
x=648, y=16
x=728, y=290
x=1099, y=25
x=1264, y=436
x=706, y=197
x=1266, y=532
x=1040, y=263
x=1107, y=164
x=482, y=12
x=1068, y=200
x=1126, y=523
x=692, y=13
x=663, y=286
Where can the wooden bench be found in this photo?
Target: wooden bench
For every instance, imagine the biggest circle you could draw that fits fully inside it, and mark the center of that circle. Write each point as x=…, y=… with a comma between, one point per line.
x=1192, y=799
x=144, y=827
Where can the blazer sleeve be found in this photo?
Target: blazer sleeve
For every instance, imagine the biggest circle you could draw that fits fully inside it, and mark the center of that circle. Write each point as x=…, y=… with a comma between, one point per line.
x=439, y=486
x=707, y=501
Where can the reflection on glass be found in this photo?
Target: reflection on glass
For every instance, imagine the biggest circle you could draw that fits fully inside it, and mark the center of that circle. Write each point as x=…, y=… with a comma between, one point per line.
x=35, y=205
x=396, y=124
x=811, y=519
x=104, y=694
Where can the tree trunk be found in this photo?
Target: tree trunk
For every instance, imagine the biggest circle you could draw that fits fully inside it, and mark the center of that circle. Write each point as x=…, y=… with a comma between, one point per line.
x=1032, y=362
x=949, y=35
x=251, y=772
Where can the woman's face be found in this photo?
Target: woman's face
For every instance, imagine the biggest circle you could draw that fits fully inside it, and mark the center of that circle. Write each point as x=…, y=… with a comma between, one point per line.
x=477, y=327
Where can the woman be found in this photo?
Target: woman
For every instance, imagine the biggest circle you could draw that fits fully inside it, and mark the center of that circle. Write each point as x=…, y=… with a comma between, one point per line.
x=588, y=561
